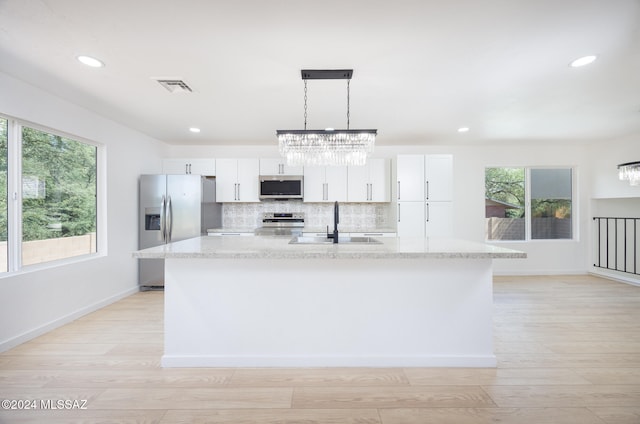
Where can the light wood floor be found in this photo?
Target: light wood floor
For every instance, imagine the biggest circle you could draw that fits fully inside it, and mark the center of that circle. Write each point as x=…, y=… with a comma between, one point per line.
x=568, y=349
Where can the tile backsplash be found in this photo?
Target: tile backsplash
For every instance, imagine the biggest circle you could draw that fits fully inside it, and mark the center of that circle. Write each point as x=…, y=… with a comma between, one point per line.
x=365, y=216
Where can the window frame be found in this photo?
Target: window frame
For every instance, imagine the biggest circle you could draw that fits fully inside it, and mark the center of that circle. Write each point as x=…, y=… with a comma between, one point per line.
x=527, y=205
x=14, y=198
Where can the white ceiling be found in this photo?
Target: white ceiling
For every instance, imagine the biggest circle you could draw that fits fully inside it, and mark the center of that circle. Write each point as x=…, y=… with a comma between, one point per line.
x=422, y=68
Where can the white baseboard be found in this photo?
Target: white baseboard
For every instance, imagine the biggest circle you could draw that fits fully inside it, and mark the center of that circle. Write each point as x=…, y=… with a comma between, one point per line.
x=616, y=276
x=520, y=272
x=306, y=361
x=52, y=325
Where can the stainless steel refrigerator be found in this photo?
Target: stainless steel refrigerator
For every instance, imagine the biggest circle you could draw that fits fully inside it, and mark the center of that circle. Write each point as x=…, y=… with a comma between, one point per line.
x=172, y=208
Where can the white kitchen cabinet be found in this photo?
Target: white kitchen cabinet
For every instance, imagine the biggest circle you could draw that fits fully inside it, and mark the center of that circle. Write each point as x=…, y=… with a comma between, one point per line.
x=369, y=183
x=424, y=195
x=237, y=180
x=205, y=167
x=410, y=219
x=424, y=177
x=424, y=219
x=438, y=219
x=278, y=167
x=439, y=177
x=410, y=182
x=325, y=183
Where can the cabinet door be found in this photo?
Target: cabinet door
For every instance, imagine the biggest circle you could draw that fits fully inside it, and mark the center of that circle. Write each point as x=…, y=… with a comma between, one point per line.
x=379, y=180
x=278, y=166
x=438, y=219
x=411, y=220
x=358, y=183
x=206, y=167
x=410, y=178
x=175, y=166
x=336, y=180
x=439, y=177
x=226, y=180
x=248, y=186
x=314, y=184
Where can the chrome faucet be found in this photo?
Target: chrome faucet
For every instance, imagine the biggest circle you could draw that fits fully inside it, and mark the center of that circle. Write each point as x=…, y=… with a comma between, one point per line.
x=336, y=219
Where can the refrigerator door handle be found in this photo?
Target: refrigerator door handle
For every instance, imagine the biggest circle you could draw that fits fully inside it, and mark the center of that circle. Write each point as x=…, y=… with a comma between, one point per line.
x=163, y=219
x=169, y=218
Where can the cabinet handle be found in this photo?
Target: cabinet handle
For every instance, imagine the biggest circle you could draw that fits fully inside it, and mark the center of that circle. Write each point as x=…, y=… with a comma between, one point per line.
x=398, y=212
x=325, y=191
x=427, y=190
x=427, y=212
x=398, y=190
x=186, y=168
x=238, y=192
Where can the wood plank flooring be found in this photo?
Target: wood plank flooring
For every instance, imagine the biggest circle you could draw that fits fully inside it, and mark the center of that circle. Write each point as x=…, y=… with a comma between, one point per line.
x=568, y=352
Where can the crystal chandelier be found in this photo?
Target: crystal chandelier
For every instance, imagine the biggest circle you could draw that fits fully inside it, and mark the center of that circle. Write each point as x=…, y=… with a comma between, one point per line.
x=329, y=146
x=630, y=171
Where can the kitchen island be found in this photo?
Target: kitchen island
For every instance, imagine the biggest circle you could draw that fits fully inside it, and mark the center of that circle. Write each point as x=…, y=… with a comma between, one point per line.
x=262, y=302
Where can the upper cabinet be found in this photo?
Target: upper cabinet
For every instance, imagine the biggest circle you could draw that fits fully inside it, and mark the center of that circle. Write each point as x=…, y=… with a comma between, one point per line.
x=278, y=167
x=237, y=180
x=370, y=183
x=325, y=183
x=205, y=167
x=438, y=172
x=424, y=177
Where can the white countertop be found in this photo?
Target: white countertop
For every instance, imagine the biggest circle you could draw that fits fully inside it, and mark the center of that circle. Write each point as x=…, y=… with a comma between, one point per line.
x=270, y=247
x=304, y=229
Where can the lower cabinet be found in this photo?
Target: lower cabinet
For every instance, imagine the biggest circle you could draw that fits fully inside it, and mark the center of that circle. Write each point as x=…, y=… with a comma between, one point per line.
x=425, y=219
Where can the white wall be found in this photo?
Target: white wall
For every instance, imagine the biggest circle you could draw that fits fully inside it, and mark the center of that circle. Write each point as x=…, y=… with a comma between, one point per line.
x=612, y=197
x=604, y=159
x=32, y=302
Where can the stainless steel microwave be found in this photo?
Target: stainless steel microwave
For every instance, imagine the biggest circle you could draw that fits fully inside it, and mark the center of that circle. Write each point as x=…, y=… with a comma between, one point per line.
x=281, y=187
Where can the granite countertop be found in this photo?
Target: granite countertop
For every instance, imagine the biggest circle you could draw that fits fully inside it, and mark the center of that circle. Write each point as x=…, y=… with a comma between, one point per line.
x=304, y=229
x=349, y=230
x=231, y=230
x=274, y=247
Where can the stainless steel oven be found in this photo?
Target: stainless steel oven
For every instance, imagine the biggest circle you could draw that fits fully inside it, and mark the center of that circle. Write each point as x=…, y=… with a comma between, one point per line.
x=281, y=224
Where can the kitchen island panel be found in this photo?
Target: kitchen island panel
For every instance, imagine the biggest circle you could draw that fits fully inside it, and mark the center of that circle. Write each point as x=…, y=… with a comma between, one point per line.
x=328, y=312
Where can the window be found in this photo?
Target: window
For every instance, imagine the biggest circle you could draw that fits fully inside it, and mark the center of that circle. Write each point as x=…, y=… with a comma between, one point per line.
x=528, y=203
x=3, y=194
x=54, y=186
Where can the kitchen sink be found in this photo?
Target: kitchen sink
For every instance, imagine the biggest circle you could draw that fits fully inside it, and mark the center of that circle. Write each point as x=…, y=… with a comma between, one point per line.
x=341, y=240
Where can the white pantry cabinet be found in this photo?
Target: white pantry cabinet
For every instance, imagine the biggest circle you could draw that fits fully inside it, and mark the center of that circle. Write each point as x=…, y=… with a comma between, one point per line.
x=237, y=180
x=411, y=219
x=325, y=183
x=424, y=195
x=369, y=183
x=278, y=166
x=206, y=167
x=410, y=181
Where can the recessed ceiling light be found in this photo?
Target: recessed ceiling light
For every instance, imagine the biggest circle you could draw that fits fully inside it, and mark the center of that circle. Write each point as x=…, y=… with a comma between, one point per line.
x=583, y=61
x=463, y=129
x=194, y=130
x=91, y=61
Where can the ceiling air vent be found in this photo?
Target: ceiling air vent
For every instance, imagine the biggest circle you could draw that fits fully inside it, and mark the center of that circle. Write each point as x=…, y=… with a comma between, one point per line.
x=175, y=85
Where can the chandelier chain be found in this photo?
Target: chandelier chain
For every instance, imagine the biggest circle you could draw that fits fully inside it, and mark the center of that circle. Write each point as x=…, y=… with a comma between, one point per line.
x=305, y=104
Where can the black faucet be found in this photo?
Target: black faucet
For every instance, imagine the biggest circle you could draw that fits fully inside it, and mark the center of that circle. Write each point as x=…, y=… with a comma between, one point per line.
x=336, y=219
